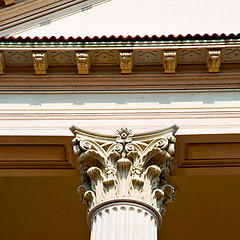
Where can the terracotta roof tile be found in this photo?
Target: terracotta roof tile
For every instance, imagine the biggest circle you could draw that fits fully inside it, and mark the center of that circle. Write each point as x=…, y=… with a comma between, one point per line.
x=123, y=39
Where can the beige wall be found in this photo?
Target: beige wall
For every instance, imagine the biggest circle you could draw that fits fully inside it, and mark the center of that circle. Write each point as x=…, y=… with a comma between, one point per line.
x=53, y=114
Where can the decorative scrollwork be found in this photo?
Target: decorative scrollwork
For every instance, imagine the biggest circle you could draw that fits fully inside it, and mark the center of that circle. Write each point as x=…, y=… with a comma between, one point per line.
x=126, y=166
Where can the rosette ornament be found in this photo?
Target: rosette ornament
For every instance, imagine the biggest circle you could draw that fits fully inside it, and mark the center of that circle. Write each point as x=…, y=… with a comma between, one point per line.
x=126, y=166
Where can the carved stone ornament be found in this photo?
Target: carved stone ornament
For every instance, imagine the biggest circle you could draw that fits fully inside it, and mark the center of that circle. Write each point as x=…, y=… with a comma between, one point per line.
x=8, y=2
x=126, y=166
x=83, y=62
x=126, y=61
x=213, y=60
x=40, y=62
x=2, y=63
x=169, y=61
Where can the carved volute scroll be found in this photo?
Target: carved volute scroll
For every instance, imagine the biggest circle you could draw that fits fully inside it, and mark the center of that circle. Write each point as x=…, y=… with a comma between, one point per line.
x=126, y=166
x=40, y=62
x=213, y=60
x=170, y=61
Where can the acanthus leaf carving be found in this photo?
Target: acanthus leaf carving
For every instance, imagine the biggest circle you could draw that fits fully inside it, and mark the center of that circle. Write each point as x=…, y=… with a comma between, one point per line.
x=126, y=166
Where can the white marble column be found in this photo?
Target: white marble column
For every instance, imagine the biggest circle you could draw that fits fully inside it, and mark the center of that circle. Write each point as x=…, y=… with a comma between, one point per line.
x=126, y=184
x=124, y=221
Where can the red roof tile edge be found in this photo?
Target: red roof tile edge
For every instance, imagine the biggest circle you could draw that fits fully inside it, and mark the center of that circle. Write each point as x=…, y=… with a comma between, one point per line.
x=124, y=39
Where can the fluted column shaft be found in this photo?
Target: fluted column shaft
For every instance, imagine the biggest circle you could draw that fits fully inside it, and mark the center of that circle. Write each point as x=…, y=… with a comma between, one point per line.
x=123, y=221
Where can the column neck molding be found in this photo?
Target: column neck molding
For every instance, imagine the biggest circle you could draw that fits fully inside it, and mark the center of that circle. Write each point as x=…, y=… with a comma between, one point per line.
x=126, y=167
x=125, y=202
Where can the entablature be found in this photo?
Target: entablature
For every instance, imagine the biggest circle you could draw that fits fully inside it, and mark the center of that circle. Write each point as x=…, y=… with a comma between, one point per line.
x=191, y=55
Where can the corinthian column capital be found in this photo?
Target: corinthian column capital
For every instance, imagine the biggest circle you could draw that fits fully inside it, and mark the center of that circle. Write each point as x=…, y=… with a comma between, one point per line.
x=126, y=166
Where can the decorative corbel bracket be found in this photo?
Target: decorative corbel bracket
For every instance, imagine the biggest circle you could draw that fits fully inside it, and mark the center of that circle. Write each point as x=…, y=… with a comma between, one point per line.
x=213, y=60
x=170, y=61
x=126, y=62
x=40, y=62
x=83, y=62
x=2, y=63
x=8, y=2
x=128, y=166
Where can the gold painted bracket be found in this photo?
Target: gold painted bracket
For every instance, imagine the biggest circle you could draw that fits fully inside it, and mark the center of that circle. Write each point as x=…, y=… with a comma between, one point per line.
x=40, y=62
x=2, y=63
x=126, y=62
x=169, y=61
x=214, y=60
x=83, y=62
x=8, y=2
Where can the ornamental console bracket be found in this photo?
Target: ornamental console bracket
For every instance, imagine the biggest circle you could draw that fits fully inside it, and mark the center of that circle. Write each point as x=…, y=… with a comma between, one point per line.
x=213, y=60
x=125, y=176
x=83, y=62
x=126, y=61
x=8, y=2
x=2, y=63
x=170, y=61
x=40, y=62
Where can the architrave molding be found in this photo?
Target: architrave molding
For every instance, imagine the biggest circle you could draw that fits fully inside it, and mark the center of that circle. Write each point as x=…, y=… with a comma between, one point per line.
x=37, y=155
x=51, y=163
x=196, y=152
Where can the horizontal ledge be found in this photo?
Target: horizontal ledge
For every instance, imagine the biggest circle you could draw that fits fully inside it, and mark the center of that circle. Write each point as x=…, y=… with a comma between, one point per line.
x=116, y=83
x=126, y=45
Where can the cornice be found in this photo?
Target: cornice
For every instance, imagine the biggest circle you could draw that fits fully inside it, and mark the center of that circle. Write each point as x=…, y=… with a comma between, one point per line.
x=115, y=64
